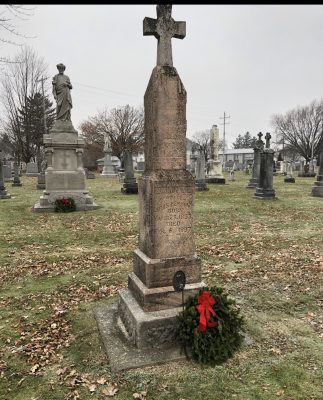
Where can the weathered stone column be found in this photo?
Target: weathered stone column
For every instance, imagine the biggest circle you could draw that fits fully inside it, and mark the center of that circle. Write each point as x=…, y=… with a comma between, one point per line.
x=317, y=189
x=108, y=169
x=200, y=183
x=214, y=164
x=129, y=184
x=264, y=190
x=254, y=180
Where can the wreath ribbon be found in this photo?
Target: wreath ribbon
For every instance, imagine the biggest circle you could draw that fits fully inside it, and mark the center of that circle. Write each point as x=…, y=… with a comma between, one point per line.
x=205, y=303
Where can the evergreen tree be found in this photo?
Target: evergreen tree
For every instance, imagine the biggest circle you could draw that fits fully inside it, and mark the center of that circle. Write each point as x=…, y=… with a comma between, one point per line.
x=31, y=118
x=245, y=141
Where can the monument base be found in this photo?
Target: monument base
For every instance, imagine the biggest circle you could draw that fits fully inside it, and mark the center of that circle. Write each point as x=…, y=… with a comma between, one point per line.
x=253, y=183
x=215, y=179
x=121, y=352
x=306, y=174
x=289, y=179
x=83, y=200
x=201, y=185
x=16, y=184
x=265, y=194
x=130, y=186
x=5, y=195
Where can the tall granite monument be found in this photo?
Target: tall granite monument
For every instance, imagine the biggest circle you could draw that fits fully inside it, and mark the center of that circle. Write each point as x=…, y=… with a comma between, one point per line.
x=130, y=186
x=64, y=175
x=200, y=183
x=108, y=168
x=254, y=180
x=264, y=190
x=148, y=308
x=214, y=164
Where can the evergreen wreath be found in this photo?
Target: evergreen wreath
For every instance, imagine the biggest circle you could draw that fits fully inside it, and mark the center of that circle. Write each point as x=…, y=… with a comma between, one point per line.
x=210, y=326
x=65, y=204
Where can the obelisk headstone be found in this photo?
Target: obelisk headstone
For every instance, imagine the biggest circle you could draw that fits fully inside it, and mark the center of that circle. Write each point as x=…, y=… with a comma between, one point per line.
x=214, y=164
x=254, y=180
x=301, y=168
x=129, y=183
x=64, y=175
x=200, y=183
x=264, y=190
x=149, y=307
x=317, y=189
x=3, y=193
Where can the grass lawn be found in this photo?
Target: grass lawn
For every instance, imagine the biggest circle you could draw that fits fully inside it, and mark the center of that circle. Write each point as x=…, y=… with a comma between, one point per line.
x=56, y=268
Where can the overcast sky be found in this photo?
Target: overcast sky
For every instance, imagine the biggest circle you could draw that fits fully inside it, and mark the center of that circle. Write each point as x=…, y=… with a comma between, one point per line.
x=249, y=61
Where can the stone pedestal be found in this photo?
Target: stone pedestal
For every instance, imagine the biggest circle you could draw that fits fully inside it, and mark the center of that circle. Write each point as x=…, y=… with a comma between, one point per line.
x=149, y=306
x=130, y=186
x=64, y=175
x=264, y=190
x=7, y=174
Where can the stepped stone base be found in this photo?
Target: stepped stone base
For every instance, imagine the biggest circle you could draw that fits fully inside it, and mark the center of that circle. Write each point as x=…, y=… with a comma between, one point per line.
x=122, y=353
x=253, y=183
x=130, y=186
x=265, y=194
x=306, y=174
x=17, y=184
x=5, y=195
x=82, y=200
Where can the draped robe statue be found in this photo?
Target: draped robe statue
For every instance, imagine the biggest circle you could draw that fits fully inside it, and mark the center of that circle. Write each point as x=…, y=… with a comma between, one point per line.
x=62, y=95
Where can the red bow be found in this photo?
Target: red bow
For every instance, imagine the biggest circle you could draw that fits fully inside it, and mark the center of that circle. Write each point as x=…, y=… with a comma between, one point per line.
x=205, y=303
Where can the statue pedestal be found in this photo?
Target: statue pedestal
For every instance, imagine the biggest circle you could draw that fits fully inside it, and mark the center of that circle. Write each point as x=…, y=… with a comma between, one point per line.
x=65, y=175
x=215, y=173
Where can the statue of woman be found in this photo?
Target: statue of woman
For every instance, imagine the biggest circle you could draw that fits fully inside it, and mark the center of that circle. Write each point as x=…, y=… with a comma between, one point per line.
x=62, y=95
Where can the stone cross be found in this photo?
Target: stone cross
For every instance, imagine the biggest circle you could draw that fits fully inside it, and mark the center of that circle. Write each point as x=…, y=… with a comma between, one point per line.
x=164, y=28
x=268, y=137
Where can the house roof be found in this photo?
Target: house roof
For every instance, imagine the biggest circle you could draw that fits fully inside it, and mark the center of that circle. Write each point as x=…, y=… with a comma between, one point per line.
x=237, y=151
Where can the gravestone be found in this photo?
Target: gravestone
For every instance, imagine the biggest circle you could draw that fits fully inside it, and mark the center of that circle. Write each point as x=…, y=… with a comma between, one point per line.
x=32, y=169
x=254, y=180
x=64, y=175
x=317, y=189
x=232, y=175
x=129, y=182
x=147, y=310
x=108, y=170
x=301, y=168
x=140, y=166
x=264, y=190
x=3, y=193
x=89, y=174
x=200, y=183
x=16, y=178
x=193, y=159
x=214, y=164
x=289, y=173
x=7, y=173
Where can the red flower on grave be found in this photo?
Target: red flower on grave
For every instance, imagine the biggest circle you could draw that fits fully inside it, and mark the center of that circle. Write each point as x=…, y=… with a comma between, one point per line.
x=204, y=307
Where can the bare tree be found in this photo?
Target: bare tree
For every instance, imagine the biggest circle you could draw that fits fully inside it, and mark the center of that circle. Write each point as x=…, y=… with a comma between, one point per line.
x=300, y=129
x=19, y=83
x=9, y=34
x=202, y=143
x=124, y=126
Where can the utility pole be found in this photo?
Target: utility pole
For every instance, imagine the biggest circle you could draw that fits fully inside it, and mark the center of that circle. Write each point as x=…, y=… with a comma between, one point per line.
x=42, y=80
x=224, y=123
